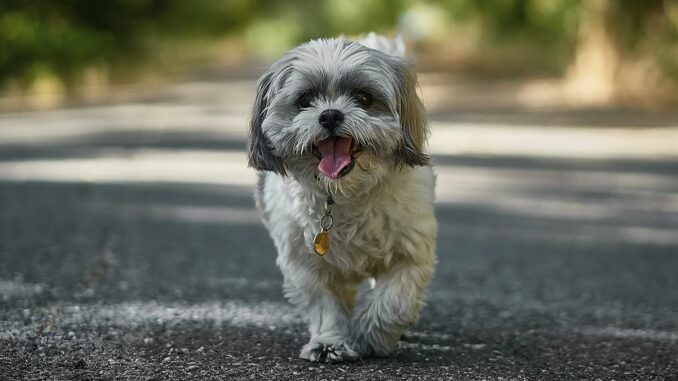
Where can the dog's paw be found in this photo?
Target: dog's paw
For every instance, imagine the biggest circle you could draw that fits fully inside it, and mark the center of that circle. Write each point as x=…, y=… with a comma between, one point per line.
x=318, y=351
x=375, y=342
x=363, y=347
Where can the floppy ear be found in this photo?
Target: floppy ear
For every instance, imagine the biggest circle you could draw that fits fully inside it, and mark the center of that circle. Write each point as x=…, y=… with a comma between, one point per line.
x=412, y=119
x=259, y=151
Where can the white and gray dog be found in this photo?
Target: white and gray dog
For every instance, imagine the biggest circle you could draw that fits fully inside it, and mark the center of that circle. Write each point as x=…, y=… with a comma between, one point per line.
x=338, y=133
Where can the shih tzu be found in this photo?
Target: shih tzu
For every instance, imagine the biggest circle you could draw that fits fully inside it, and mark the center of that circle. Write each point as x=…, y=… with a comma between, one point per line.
x=338, y=133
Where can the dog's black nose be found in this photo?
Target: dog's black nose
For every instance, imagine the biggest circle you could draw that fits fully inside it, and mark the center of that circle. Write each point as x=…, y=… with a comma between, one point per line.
x=331, y=119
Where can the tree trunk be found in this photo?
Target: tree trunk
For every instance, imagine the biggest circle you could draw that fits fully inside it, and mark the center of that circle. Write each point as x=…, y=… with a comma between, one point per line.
x=590, y=80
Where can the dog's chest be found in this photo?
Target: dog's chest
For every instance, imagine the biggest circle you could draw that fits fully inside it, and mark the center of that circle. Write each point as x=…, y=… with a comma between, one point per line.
x=368, y=235
x=366, y=239
x=369, y=228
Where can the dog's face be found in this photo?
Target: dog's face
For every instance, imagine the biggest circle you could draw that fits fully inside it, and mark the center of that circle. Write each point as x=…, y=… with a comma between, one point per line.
x=337, y=115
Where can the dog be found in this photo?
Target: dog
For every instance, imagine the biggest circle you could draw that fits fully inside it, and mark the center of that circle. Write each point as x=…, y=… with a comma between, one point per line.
x=337, y=133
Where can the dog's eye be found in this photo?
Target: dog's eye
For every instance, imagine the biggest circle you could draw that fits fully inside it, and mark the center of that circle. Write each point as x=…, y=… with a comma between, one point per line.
x=363, y=98
x=305, y=100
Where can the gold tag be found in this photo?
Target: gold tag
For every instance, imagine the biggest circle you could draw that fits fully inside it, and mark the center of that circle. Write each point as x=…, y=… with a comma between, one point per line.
x=321, y=242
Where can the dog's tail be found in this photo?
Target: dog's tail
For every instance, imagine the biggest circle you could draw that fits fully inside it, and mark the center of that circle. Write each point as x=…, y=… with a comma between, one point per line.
x=393, y=46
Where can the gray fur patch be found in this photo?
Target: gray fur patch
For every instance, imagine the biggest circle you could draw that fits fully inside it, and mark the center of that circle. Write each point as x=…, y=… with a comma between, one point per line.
x=259, y=148
x=259, y=195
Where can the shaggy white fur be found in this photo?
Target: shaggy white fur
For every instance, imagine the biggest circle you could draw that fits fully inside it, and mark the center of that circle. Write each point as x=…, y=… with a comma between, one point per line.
x=384, y=224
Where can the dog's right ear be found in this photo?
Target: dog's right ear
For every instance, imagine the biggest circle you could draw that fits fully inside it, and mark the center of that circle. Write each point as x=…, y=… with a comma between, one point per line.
x=259, y=151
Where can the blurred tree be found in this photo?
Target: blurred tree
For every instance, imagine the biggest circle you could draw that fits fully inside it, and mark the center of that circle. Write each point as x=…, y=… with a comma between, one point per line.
x=63, y=38
x=625, y=49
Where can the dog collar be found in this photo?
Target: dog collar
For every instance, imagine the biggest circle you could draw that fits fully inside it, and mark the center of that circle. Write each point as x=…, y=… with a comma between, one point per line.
x=321, y=242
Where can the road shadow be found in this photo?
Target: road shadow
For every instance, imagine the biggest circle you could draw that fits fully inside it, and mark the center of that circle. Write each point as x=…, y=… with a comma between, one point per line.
x=541, y=272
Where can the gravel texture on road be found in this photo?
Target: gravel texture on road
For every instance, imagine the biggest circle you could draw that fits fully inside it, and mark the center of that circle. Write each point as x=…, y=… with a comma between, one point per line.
x=130, y=249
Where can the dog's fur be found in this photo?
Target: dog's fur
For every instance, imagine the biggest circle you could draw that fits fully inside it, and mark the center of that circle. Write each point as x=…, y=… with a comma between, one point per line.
x=384, y=225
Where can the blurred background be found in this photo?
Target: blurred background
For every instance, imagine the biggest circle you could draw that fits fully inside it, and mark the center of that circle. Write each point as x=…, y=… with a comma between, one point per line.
x=129, y=242
x=601, y=52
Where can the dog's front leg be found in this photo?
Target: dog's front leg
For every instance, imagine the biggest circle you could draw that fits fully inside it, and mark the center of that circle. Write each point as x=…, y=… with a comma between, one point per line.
x=317, y=295
x=383, y=313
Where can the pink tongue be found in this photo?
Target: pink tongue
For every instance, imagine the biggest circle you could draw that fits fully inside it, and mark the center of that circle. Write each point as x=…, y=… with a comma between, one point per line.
x=335, y=155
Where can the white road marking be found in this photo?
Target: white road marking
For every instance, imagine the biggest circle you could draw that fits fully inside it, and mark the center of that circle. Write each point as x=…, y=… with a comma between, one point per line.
x=623, y=333
x=265, y=315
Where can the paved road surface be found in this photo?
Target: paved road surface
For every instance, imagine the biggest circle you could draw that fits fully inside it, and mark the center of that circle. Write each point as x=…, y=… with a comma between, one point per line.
x=130, y=247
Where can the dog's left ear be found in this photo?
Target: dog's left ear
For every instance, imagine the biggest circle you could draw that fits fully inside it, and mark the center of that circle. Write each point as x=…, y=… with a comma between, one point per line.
x=259, y=151
x=412, y=118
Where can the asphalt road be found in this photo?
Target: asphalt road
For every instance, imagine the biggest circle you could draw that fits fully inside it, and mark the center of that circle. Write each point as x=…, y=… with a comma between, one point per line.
x=130, y=248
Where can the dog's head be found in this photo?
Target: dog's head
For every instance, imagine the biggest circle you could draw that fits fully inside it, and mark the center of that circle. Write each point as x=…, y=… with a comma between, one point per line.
x=338, y=115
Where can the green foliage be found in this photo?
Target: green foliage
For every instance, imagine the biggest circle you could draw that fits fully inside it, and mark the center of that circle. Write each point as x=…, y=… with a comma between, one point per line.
x=646, y=29
x=534, y=34
x=62, y=37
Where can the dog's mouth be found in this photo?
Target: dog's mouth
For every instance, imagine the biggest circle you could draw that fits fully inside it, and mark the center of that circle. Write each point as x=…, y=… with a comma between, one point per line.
x=337, y=156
